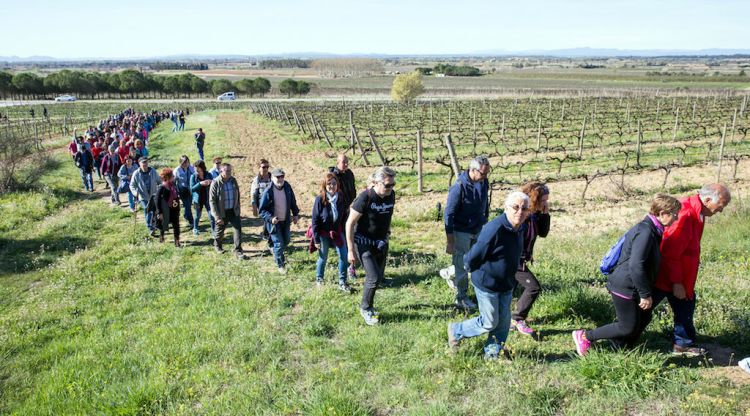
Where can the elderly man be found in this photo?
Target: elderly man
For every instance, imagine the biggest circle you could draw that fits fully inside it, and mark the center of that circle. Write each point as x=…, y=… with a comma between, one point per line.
x=466, y=211
x=224, y=199
x=367, y=232
x=680, y=256
x=278, y=206
x=493, y=262
x=143, y=186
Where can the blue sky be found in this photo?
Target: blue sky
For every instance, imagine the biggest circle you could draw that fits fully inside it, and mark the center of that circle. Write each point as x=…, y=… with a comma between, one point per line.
x=135, y=28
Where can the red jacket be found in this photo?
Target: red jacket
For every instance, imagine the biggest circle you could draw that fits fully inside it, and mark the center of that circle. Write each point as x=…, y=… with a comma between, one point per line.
x=681, y=248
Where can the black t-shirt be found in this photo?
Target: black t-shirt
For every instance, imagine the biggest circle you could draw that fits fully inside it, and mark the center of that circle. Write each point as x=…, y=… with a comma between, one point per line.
x=376, y=214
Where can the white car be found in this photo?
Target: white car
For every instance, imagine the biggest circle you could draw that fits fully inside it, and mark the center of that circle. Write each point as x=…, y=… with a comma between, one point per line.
x=227, y=96
x=65, y=98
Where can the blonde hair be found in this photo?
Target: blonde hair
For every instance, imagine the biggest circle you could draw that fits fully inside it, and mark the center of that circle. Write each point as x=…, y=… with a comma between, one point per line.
x=663, y=202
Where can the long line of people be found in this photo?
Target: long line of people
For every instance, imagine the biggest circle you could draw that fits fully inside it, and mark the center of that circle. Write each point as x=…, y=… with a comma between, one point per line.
x=657, y=259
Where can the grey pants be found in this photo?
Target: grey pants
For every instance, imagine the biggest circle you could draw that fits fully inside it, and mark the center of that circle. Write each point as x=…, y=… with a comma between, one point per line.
x=112, y=182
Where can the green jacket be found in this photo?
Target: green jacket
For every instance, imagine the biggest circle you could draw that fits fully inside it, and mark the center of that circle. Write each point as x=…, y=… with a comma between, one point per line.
x=216, y=197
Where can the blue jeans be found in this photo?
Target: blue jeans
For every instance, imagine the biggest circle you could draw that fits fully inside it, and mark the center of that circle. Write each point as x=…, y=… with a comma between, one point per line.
x=462, y=244
x=325, y=244
x=200, y=150
x=280, y=237
x=494, y=318
x=198, y=211
x=88, y=180
x=131, y=199
x=187, y=212
x=683, y=310
x=149, y=215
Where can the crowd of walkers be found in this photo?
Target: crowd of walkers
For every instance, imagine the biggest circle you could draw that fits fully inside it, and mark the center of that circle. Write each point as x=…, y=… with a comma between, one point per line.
x=656, y=259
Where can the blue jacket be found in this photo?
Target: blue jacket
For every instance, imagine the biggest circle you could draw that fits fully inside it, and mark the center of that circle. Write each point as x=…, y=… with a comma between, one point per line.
x=493, y=259
x=467, y=208
x=265, y=209
x=195, y=186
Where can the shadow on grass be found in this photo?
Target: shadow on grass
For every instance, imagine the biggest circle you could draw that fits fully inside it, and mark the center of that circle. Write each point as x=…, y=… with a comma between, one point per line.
x=25, y=255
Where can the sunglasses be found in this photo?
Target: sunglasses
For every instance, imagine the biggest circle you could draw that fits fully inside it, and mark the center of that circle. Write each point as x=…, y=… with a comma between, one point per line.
x=264, y=167
x=519, y=208
x=280, y=176
x=388, y=185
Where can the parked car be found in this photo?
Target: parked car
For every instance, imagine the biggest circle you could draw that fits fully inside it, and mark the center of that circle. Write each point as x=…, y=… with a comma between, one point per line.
x=227, y=96
x=65, y=98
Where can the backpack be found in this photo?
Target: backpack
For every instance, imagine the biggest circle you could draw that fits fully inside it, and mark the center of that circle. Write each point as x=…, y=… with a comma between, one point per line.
x=610, y=260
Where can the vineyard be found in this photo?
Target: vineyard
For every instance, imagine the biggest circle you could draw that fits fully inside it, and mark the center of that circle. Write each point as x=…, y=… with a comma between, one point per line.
x=549, y=139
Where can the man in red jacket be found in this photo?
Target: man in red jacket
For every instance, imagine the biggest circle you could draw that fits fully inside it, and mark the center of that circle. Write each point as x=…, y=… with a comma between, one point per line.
x=680, y=257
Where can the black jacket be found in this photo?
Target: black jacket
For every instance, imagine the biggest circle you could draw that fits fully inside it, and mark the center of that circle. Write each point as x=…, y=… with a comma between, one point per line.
x=347, y=185
x=322, y=217
x=636, y=270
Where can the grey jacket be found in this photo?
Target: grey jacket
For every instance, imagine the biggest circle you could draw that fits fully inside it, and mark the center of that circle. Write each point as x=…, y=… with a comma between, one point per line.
x=216, y=197
x=143, y=185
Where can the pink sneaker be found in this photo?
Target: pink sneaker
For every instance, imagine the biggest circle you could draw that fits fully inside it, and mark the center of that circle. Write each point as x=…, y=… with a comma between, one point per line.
x=520, y=326
x=582, y=344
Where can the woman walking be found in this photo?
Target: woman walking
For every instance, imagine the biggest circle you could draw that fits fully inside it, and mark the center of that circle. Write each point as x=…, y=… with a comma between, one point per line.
x=168, y=206
x=200, y=181
x=631, y=282
x=328, y=228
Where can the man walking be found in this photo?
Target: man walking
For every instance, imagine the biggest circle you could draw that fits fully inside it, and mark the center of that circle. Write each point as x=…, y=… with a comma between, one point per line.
x=680, y=257
x=110, y=165
x=182, y=176
x=278, y=205
x=200, y=140
x=347, y=188
x=84, y=160
x=466, y=211
x=367, y=232
x=143, y=186
x=224, y=199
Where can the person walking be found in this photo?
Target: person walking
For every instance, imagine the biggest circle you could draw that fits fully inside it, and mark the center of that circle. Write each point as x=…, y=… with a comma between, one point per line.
x=368, y=230
x=84, y=160
x=678, y=272
x=224, y=201
x=537, y=225
x=182, y=121
x=348, y=190
x=631, y=282
x=328, y=229
x=110, y=166
x=216, y=169
x=168, y=206
x=143, y=186
x=200, y=140
x=258, y=186
x=182, y=176
x=493, y=261
x=278, y=208
x=466, y=211
x=125, y=174
x=199, y=186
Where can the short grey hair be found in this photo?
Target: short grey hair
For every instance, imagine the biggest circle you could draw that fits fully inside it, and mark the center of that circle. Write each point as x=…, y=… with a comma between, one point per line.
x=383, y=172
x=714, y=191
x=478, y=162
x=515, y=196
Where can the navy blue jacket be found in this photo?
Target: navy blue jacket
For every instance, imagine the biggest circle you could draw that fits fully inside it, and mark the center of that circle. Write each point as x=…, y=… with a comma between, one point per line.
x=265, y=209
x=493, y=259
x=638, y=266
x=322, y=217
x=466, y=209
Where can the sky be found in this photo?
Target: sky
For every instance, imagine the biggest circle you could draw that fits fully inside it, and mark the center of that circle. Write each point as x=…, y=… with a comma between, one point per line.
x=138, y=28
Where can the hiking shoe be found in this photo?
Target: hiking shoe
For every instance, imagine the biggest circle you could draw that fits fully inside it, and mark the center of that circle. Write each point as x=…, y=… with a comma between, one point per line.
x=370, y=316
x=351, y=272
x=282, y=270
x=520, y=326
x=153, y=233
x=453, y=342
x=318, y=283
x=494, y=352
x=344, y=287
x=196, y=232
x=688, y=351
x=449, y=274
x=582, y=344
x=219, y=250
x=745, y=364
x=240, y=255
x=465, y=303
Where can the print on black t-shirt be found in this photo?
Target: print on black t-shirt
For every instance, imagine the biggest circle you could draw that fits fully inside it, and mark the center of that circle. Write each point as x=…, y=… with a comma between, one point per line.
x=376, y=214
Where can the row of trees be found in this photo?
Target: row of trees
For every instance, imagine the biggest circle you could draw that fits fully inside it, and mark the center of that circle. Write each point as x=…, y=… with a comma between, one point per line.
x=450, y=70
x=292, y=87
x=25, y=85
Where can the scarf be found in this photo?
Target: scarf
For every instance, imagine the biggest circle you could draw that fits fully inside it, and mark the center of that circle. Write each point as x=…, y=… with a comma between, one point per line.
x=332, y=200
x=172, y=193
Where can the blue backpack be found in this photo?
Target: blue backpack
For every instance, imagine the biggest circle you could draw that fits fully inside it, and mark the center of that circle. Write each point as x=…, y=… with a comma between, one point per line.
x=609, y=261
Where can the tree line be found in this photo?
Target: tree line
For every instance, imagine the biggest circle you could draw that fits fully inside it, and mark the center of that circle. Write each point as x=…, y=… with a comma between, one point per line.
x=130, y=82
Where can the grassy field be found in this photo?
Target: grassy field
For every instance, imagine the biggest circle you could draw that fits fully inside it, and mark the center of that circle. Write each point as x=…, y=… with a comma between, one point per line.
x=98, y=318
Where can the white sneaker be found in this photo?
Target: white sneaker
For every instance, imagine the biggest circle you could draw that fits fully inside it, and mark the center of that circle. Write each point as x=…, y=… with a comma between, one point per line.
x=449, y=274
x=745, y=364
x=282, y=270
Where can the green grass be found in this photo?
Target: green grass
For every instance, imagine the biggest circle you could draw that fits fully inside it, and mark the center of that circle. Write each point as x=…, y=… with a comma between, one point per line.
x=106, y=321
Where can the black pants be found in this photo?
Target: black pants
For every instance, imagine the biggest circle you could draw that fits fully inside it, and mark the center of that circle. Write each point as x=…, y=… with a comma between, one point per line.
x=234, y=220
x=174, y=219
x=626, y=331
x=373, y=261
x=530, y=292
